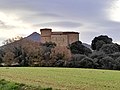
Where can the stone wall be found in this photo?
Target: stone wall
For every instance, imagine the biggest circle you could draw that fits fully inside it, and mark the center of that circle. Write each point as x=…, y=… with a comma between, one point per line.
x=73, y=37
x=60, y=40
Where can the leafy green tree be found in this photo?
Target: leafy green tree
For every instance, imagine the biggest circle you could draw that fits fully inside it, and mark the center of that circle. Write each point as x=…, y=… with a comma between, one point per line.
x=115, y=55
x=108, y=63
x=77, y=57
x=97, y=42
x=97, y=54
x=86, y=63
x=118, y=62
x=78, y=48
x=109, y=48
x=80, y=61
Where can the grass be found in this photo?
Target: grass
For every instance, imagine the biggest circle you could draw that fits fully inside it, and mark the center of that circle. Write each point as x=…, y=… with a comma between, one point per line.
x=63, y=78
x=6, y=85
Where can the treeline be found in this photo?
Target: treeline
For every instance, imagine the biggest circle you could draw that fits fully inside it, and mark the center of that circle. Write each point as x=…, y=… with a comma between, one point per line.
x=29, y=53
x=104, y=54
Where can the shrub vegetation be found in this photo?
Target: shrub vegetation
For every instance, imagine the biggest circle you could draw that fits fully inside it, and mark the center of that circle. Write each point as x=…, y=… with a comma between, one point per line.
x=104, y=54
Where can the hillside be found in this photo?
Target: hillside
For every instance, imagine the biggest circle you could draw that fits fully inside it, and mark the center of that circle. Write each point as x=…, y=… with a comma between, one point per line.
x=87, y=45
x=34, y=37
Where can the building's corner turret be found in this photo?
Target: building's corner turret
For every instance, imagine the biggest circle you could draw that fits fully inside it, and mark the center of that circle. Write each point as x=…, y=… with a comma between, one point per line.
x=45, y=35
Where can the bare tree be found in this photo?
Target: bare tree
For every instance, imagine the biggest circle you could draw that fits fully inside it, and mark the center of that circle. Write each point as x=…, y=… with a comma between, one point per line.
x=10, y=40
x=8, y=58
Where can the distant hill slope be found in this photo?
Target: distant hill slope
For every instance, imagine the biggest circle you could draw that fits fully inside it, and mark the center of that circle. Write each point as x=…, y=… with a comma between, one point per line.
x=87, y=45
x=34, y=37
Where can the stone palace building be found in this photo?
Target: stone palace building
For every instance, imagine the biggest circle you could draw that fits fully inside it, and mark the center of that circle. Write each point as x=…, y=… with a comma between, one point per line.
x=62, y=39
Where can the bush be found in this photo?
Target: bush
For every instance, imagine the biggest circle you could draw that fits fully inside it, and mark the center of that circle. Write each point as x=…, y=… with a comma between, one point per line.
x=97, y=55
x=78, y=57
x=74, y=60
x=118, y=62
x=80, y=61
x=115, y=55
x=86, y=63
x=78, y=48
x=49, y=44
x=59, y=63
x=109, y=48
x=108, y=63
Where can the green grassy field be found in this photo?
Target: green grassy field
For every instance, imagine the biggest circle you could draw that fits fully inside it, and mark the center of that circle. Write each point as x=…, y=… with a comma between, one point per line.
x=63, y=78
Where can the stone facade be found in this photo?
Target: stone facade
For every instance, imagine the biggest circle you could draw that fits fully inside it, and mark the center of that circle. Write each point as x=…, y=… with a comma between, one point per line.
x=62, y=39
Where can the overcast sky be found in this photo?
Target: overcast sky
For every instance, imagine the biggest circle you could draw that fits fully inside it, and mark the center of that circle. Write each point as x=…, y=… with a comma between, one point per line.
x=88, y=17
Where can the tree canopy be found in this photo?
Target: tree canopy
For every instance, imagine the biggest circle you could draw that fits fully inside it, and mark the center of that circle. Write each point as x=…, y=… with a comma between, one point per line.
x=97, y=42
x=78, y=48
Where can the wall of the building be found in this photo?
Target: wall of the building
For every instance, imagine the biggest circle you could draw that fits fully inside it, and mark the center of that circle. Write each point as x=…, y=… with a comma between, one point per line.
x=60, y=40
x=45, y=35
x=45, y=39
x=72, y=38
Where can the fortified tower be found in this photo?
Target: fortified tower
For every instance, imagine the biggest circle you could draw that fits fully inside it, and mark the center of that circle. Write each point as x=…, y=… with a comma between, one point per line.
x=45, y=35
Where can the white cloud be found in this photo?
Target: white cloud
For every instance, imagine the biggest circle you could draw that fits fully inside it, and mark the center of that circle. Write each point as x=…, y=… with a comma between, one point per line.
x=114, y=13
x=11, y=26
x=10, y=19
